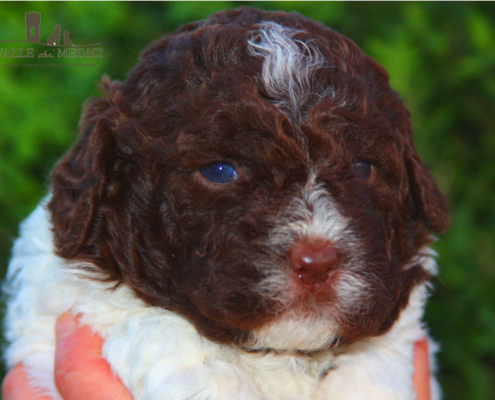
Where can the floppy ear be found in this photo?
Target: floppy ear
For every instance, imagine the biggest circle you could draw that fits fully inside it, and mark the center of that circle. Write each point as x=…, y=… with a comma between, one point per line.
x=79, y=179
x=426, y=203
x=426, y=198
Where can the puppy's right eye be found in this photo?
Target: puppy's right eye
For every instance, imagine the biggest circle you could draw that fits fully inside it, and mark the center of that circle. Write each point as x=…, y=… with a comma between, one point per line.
x=219, y=173
x=361, y=170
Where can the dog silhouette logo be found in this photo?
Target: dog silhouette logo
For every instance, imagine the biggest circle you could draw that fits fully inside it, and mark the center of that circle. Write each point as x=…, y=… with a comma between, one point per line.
x=33, y=23
x=54, y=38
x=67, y=41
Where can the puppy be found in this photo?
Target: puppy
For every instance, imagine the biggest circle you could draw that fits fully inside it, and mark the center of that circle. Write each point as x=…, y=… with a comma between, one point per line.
x=245, y=217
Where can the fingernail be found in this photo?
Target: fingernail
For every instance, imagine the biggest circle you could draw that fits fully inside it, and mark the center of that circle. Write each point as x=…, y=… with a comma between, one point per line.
x=66, y=325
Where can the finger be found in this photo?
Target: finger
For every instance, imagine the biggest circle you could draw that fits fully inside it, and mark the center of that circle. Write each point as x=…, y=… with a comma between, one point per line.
x=421, y=377
x=81, y=372
x=16, y=386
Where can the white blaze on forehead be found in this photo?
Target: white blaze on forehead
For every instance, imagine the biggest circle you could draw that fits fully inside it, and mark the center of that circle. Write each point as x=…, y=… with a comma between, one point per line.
x=288, y=64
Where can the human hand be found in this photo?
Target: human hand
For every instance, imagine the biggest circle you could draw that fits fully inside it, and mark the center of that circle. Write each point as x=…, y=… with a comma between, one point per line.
x=81, y=373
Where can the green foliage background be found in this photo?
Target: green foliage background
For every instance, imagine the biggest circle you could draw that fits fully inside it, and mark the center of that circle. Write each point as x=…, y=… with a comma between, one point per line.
x=441, y=58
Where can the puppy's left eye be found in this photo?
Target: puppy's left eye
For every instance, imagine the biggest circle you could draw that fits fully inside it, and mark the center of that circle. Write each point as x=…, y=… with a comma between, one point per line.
x=219, y=173
x=361, y=170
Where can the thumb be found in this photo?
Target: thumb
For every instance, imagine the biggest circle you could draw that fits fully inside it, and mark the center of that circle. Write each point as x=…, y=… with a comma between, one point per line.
x=81, y=372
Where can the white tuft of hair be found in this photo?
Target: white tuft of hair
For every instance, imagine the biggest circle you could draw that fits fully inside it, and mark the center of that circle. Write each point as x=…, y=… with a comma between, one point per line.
x=288, y=64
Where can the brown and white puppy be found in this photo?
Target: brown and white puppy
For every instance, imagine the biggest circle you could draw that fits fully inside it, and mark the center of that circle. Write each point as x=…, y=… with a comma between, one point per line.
x=245, y=217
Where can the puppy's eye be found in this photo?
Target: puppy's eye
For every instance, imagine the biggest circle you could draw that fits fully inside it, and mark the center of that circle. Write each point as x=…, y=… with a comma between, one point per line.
x=219, y=173
x=361, y=170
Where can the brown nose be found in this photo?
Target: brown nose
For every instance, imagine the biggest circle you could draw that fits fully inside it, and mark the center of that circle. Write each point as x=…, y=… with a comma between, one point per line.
x=313, y=261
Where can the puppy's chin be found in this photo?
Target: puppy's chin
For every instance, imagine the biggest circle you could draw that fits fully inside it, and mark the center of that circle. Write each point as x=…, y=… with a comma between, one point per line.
x=295, y=332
